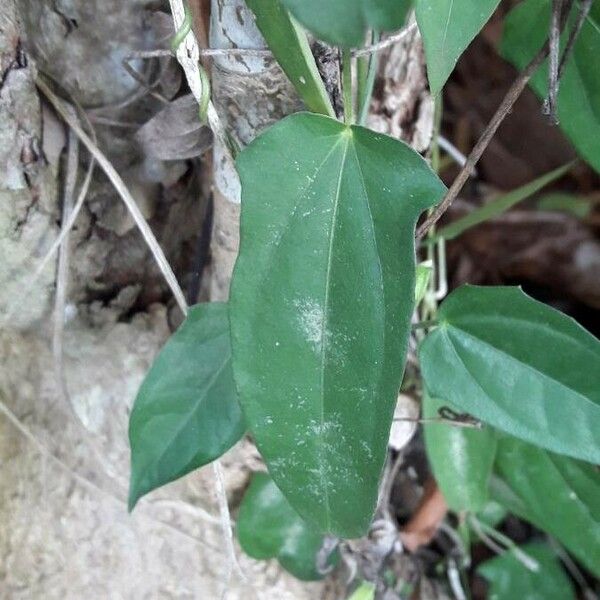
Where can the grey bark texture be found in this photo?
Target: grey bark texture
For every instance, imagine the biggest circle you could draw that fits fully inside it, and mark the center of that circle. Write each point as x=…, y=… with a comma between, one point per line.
x=64, y=529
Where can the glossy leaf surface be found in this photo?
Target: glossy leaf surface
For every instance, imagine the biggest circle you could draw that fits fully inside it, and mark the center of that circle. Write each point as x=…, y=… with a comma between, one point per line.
x=321, y=301
x=344, y=22
x=518, y=365
x=556, y=493
x=268, y=527
x=461, y=459
x=186, y=413
x=510, y=579
x=289, y=43
x=448, y=27
x=525, y=30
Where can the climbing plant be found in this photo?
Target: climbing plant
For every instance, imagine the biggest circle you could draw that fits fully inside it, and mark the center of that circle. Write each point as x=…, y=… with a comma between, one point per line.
x=308, y=356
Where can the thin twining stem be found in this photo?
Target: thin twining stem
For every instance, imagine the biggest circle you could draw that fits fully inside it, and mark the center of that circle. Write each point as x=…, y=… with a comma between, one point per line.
x=486, y=137
x=264, y=53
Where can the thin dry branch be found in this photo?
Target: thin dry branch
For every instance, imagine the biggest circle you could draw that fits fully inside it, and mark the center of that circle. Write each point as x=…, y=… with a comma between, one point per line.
x=503, y=110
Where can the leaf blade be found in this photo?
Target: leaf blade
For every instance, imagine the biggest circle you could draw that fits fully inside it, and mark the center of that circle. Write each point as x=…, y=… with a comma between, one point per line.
x=448, y=27
x=511, y=579
x=520, y=366
x=344, y=22
x=499, y=205
x=569, y=513
x=579, y=95
x=186, y=413
x=462, y=459
x=318, y=364
x=268, y=527
x=289, y=44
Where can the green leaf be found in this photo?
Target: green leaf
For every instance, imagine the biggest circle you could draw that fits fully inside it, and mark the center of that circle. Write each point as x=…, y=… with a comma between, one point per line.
x=366, y=591
x=461, y=459
x=525, y=30
x=268, y=527
x=518, y=365
x=499, y=205
x=448, y=27
x=289, y=43
x=511, y=579
x=344, y=22
x=321, y=301
x=556, y=493
x=492, y=514
x=186, y=413
x=564, y=202
x=423, y=275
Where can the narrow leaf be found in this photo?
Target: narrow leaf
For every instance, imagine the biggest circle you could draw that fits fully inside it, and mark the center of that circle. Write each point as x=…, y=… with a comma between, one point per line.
x=321, y=300
x=288, y=42
x=448, y=27
x=518, y=365
x=186, y=413
x=461, y=459
x=344, y=22
x=510, y=579
x=556, y=493
x=423, y=274
x=500, y=205
x=268, y=527
x=525, y=30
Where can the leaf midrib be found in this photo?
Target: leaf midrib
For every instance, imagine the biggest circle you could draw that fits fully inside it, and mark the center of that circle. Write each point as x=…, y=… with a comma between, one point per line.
x=193, y=409
x=324, y=339
x=510, y=358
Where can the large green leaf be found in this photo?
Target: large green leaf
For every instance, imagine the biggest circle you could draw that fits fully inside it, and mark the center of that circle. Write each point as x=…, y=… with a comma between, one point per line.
x=289, y=44
x=461, y=459
x=556, y=493
x=321, y=300
x=518, y=365
x=510, y=579
x=448, y=27
x=344, y=22
x=186, y=413
x=526, y=29
x=268, y=527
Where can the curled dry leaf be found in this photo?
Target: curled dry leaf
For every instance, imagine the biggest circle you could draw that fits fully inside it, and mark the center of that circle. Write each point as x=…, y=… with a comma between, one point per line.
x=175, y=133
x=423, y=525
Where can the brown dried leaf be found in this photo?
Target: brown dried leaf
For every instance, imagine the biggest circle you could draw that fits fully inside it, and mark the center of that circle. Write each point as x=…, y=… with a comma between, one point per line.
x=175, y=133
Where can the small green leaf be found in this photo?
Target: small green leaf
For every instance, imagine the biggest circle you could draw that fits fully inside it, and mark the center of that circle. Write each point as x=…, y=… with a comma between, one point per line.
x=321, y=301
x=499, y=205
x=510, y=579
x=518, y=365
x=492, y=514
x=268, y=527
x=366, y=591
x=556, y=493
x=423, y=275
x=344, y=22
x=525, y=30
x=186, y=413
x=288, y=42
x=461, y=459
x=448, y=27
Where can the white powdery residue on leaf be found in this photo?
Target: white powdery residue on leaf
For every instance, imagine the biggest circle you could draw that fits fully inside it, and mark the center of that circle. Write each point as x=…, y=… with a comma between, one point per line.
x=311, y=318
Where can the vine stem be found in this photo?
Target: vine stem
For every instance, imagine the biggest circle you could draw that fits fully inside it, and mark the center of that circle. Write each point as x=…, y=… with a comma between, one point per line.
x=347, y=87
x=503, y=110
